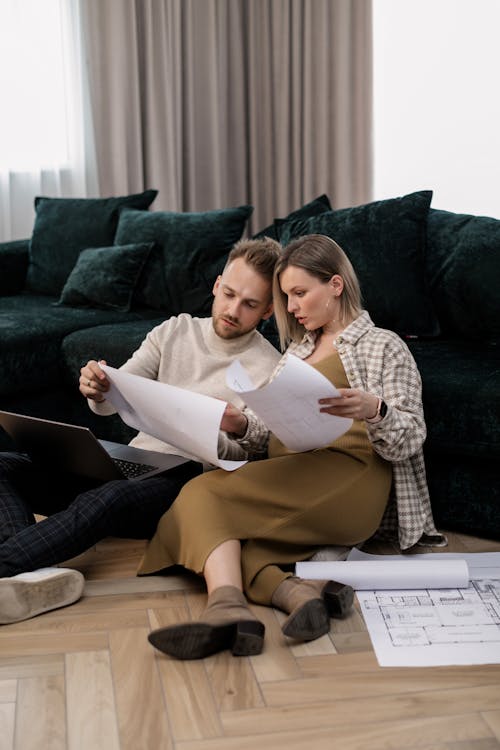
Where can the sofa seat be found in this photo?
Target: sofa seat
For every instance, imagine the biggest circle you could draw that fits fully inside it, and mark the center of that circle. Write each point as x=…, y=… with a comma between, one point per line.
x=461, y=394
x=32, y=328
x=111, y=342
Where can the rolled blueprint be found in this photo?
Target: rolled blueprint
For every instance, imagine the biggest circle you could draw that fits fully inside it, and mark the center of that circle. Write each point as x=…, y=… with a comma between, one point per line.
x=376, y=575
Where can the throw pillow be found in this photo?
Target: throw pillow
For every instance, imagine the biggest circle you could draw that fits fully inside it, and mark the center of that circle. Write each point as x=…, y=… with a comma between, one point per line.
x=65, y=226
x=105, y=277
x=463, y=262
x=317, y=206
x=385, y=242
x=190, y=251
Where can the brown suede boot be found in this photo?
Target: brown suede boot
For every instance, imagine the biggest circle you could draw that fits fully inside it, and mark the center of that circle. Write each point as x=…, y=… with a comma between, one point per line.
x=226, y=623
x=310, y=605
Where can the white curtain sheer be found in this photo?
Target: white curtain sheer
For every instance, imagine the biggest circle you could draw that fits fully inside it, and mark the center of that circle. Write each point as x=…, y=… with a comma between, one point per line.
x=223, y=102
x=46, y=141
x=213, y=102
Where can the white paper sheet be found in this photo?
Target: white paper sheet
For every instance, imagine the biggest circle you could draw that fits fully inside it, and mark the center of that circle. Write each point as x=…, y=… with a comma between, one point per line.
x=384, y=574
x=289, y=404
x=190, y=421
x=436, y=627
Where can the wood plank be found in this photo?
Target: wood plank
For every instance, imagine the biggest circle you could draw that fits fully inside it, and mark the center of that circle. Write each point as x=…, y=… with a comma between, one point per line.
x=52, y=644
x=233, y=681
x=492, y=718
x=110, y=601
x=358, y=711
x=41, y=714
x=386, y=681
x=91, y=710
x=8, y=690
x=188, y=695
x=31, y=666
x=348, y=663
x=377, y=736
x=64, y=623
x=142, y=720
x=7, y=717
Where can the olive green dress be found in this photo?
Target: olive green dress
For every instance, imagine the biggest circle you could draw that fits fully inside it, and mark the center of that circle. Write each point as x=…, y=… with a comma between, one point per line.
x=282, y=508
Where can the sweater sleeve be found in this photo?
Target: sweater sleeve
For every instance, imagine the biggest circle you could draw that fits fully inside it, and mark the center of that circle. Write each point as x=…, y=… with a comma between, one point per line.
x=145, y=361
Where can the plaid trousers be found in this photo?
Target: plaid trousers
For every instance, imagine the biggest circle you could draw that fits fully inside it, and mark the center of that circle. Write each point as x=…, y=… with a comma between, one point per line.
x=78, y=516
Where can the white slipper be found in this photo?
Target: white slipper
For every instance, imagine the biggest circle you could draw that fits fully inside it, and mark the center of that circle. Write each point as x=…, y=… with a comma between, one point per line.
x=29, y=594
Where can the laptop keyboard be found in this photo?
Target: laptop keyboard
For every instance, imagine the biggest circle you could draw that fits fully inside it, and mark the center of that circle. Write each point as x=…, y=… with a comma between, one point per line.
x=131, y=469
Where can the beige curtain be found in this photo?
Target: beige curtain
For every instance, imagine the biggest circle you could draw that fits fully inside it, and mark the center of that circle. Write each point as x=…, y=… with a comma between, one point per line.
x=222, y=102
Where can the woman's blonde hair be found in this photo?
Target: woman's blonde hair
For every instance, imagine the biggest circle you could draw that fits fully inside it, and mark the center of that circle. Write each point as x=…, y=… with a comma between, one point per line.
x=323, y=258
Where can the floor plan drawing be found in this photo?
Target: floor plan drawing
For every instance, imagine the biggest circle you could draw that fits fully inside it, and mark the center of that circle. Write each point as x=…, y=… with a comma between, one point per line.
x=431, y=627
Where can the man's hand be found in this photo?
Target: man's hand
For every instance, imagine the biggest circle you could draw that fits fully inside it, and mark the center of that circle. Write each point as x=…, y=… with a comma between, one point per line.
x=234, y=421
x=93, y=381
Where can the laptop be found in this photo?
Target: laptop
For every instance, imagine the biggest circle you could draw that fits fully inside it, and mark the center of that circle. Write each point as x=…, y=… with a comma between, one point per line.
x=76, y=450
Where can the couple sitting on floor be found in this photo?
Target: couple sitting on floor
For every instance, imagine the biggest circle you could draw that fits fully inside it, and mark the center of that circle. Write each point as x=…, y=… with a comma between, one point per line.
x=242, y=530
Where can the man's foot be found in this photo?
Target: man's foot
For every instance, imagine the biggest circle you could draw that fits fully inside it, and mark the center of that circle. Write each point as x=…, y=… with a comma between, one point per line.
x=226, y=623
x=29, y=594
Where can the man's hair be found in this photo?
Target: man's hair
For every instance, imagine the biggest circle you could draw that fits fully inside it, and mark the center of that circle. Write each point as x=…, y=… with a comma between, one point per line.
x=261, y=254
x=323, y=258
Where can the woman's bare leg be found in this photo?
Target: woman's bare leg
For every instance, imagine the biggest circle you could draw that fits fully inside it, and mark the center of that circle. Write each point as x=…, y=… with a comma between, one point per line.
x=223, y=566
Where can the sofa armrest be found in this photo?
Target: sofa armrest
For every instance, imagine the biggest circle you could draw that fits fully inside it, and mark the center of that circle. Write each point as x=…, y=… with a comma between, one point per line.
x=14, y=259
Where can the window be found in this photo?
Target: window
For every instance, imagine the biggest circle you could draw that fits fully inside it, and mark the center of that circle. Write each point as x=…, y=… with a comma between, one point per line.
x=43, y=147
x=35, y=70
x=436, y=107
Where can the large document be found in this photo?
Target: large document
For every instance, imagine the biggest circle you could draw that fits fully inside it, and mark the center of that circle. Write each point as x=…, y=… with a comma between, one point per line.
x=191, y=421
x=289, y=404
x=187, y=420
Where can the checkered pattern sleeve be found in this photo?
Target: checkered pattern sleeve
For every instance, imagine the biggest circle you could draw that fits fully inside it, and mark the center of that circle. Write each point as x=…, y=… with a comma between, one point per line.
x=391, y=373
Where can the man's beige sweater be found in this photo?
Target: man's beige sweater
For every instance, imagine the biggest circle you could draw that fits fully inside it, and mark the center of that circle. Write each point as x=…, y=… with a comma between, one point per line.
x=186, y=352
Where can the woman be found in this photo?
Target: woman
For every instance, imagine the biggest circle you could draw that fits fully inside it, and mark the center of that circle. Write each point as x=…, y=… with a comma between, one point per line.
x=244, y=530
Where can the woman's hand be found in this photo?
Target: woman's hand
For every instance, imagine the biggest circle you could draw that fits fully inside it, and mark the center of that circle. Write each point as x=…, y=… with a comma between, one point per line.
x=352, y=403
x=93, y=381
x=234, y=421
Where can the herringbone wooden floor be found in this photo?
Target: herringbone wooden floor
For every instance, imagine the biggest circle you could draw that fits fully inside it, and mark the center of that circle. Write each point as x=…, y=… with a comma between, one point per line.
x=85, y=678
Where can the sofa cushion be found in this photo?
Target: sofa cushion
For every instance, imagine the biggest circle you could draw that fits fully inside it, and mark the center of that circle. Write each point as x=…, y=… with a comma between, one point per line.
x=317, y=206
x=66, y=226
x=385, y=241
x=14, y=258
x=190, y=251
x=461, y=395
x=113, y=342
x=105, y=277
x=463, y=262
x=32, y=329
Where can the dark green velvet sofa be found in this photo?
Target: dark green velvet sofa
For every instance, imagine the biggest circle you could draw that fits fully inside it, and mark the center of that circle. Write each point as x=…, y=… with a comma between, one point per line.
x=430, y=275
x=94, y=278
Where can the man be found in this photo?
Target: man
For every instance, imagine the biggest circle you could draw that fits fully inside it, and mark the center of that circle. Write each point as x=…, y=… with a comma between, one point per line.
x=192, y=353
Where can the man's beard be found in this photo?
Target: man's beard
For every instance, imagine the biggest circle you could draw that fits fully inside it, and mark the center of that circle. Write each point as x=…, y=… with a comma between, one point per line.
x=224, y=332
